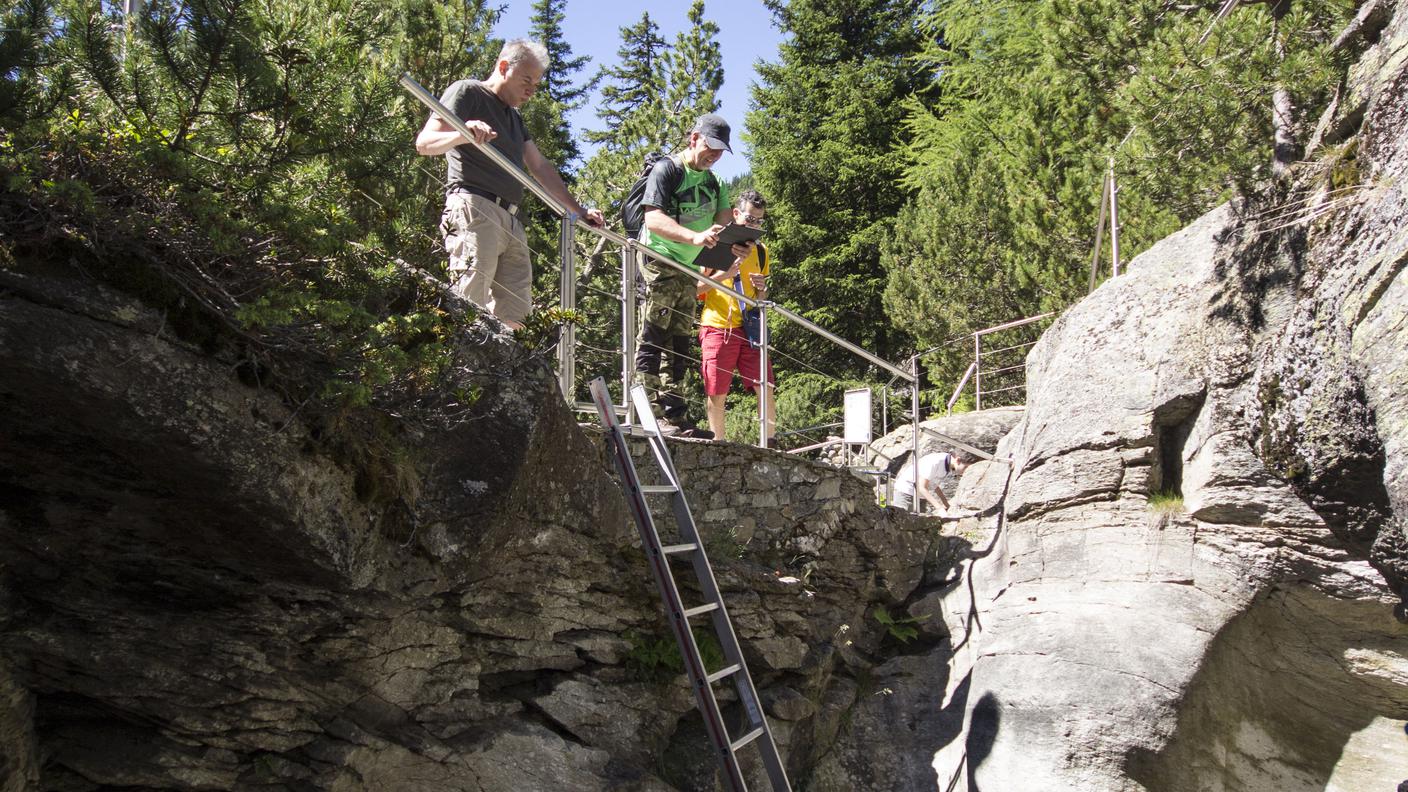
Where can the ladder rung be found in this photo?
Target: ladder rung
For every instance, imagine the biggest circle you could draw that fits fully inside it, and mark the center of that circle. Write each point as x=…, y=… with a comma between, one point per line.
x=659, y=489
x=712, y=606
x=679, y=548
x=723, y=672
x=747, y=738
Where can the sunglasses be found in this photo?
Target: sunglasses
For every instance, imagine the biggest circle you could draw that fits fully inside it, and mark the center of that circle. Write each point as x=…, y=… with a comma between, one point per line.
x=751, y=220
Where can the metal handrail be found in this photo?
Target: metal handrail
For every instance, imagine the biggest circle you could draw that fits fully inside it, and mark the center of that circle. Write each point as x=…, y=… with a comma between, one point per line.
x=961, y=383
x=1000, y=350
x=1017, y=323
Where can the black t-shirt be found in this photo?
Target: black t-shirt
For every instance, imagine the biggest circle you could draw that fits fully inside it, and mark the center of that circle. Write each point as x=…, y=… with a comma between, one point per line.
x=467, y=166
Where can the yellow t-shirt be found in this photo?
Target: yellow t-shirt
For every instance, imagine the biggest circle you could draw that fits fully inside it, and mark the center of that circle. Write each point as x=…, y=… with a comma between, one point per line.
x=720, y=309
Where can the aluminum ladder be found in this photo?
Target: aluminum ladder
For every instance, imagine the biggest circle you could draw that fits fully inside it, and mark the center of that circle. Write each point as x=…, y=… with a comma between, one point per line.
x=689, y=548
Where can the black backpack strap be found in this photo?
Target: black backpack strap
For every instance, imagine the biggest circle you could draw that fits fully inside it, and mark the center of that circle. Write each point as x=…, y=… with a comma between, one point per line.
x=676, y=178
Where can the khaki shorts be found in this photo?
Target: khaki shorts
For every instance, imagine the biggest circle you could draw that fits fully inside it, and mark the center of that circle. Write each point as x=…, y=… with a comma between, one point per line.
x=490, y=264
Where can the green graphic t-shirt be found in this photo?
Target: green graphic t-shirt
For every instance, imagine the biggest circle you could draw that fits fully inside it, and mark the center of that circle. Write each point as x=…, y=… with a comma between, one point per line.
x=694, y=204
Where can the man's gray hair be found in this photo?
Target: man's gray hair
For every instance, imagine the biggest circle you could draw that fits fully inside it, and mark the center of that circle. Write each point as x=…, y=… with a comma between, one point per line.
x=518, y=49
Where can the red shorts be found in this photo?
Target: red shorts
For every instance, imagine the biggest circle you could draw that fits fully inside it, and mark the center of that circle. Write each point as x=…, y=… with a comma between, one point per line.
x=725, y=351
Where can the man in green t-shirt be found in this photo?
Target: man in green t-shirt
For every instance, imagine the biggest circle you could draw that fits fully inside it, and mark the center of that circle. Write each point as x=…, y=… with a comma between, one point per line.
x=683, y=214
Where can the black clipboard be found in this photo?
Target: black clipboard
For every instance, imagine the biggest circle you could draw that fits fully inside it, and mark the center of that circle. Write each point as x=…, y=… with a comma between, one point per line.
x=719, y=257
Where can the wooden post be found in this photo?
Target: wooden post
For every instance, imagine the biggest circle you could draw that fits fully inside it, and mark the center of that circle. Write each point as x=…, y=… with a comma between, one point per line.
x=1099, y=231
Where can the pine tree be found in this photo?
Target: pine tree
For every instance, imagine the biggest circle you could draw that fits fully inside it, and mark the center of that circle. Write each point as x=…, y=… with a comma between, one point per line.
x=633, y=88
x=1007, y=150
x=694, y=73
x=557, y=95
x=828, y=117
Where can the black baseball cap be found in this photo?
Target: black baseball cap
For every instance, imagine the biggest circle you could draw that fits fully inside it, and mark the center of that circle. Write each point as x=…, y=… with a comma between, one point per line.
x=715, y=131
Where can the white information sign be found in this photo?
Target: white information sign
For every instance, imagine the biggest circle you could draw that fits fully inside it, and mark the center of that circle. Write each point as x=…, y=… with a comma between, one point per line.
x=857, y=416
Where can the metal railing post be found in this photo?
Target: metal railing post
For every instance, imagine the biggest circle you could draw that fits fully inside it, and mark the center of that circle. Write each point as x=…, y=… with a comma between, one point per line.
x=1114, y=219
x=977, y=371
x=914, y=455
x=885, y=409
x=567, y=341
x=763, y=395
x=630, y=266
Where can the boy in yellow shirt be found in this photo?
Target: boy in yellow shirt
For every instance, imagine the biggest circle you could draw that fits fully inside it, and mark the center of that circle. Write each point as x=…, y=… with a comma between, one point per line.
x=722, y=338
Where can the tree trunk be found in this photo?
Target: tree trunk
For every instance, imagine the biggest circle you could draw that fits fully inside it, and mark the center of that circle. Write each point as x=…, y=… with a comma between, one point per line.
x=1283, y=109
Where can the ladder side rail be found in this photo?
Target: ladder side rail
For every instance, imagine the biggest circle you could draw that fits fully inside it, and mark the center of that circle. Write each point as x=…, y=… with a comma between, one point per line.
x=723, y=624
x=665, y=581
x=767, y=746
x=743, y=684
x=640, y=402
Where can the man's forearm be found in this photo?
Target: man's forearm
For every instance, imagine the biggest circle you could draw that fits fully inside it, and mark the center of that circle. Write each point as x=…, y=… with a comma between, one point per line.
x=551, y=181
x=432, y=143
x=664, y=226
x=934, y=495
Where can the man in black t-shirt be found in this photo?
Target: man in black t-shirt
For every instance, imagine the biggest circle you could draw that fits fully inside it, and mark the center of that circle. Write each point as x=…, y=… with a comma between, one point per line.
x=489, y=260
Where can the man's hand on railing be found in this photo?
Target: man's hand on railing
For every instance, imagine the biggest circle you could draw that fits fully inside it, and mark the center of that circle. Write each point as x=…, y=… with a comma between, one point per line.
x=483, y=133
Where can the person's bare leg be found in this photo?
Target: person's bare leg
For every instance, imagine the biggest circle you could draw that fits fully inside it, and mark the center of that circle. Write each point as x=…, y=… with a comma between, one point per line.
x=772, y=412
x=715, y=411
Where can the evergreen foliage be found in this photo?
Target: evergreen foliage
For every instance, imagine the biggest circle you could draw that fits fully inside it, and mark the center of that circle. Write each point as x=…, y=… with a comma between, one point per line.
x=250, y=162
x=1006, y=150
x=26, y=32
x=558, y=95
x=826, y=121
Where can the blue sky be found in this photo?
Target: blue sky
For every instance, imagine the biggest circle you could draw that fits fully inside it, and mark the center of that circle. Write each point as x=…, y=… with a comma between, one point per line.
x=593, y=28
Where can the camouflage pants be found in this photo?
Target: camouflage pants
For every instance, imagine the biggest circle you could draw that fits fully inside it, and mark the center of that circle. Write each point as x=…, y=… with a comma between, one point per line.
x=664, y=342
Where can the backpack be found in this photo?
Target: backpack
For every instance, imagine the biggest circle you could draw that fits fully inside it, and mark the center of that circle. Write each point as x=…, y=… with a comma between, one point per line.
x=632, y=213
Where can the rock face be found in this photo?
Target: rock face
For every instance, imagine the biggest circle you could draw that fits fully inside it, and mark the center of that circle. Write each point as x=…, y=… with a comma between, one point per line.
x=1239, y=637
x=195, y=597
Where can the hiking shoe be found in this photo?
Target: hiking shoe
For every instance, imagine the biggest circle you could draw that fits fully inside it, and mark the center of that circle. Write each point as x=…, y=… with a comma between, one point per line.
x=683, y=428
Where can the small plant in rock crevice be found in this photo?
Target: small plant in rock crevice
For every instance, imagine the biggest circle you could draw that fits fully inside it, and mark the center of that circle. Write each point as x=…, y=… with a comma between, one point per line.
x=901, y=628
x=1166, y=503
x=658, y=659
